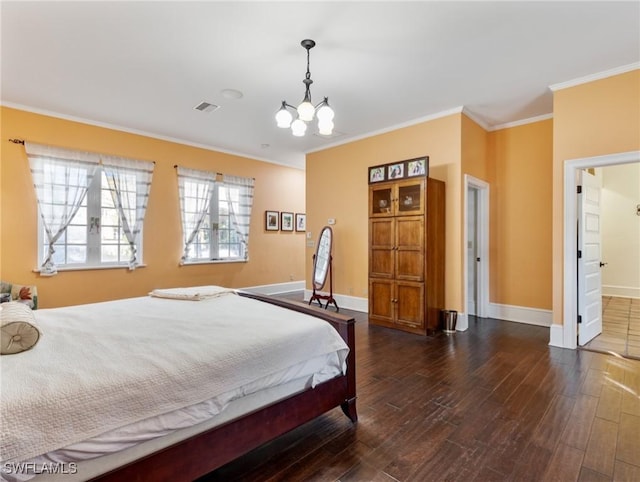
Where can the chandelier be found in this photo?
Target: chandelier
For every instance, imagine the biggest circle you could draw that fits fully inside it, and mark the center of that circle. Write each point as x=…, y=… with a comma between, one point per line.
x=306, y=110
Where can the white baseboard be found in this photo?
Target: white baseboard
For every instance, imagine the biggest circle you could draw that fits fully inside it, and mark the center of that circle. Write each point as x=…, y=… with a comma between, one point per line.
x=556, y=335
x=521, y=314
x=277, y=288
x=620, y=291
x=463, y=322
x=471, y=308
x=345, y=301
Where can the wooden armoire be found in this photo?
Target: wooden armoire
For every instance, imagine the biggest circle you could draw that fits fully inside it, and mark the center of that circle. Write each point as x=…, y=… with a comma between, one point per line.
x=406, y=252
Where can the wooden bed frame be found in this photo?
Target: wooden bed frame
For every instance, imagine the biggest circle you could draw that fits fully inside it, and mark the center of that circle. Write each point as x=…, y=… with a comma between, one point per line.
x=202, y=453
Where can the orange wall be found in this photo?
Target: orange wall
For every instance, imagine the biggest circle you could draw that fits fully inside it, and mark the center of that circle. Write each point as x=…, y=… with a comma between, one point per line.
x=337, y=187
x=475, y=162
x=523, y=165
x=475, y=154
x=597, y=118
x=275, y=257
x=516, y=162
x=520, y=215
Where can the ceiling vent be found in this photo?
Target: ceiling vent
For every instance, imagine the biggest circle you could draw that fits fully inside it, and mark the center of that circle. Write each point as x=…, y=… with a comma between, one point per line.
x=206, y=107
x=333, y=135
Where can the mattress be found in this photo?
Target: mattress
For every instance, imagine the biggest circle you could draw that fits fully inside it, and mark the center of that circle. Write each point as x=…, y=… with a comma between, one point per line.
x=71, y=469
x=228, y=348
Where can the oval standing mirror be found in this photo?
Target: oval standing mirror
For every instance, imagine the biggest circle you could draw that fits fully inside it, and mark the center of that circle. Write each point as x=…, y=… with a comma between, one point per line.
x=322, y=267
x=321, y=259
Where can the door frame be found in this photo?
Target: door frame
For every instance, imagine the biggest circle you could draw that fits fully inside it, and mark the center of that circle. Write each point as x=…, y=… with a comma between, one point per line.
x=570, y=250
x=482, y=303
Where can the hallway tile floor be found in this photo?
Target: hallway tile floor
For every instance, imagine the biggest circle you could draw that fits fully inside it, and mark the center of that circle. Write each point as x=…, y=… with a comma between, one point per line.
x=620, y=327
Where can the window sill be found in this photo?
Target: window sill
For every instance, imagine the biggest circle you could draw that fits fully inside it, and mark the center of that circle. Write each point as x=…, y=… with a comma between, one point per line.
x=213, y=261
x=89, y=268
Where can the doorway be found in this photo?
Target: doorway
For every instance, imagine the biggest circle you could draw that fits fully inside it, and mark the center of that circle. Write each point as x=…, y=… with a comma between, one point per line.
x=619, y=266
x=473, y=257
x=476, y=239
x=570, y=249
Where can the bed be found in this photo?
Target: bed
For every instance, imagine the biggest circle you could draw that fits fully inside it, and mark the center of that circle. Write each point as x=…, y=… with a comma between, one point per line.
x=201, y=432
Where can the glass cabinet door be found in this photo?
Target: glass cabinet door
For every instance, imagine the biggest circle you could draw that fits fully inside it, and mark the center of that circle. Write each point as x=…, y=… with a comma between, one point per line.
x=381, y=201
x=410, y=198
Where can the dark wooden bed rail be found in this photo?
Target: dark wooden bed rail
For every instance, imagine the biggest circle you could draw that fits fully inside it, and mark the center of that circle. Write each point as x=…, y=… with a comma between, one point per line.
x=205, y=452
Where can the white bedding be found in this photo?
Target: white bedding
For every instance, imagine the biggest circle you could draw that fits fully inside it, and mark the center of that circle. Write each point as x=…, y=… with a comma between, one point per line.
x=79, y=383
x=194, y=293
x=88, y=469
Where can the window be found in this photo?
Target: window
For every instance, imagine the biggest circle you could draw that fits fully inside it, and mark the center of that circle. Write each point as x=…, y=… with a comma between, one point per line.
x=215, y=216
x=94, y=236
x=229, y=243
x=90, y=214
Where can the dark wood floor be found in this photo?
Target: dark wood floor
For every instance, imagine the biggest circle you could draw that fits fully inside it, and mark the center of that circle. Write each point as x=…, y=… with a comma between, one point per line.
x=494, y=403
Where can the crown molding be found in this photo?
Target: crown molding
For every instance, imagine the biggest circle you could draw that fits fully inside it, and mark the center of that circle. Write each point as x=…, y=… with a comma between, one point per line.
x=597, y=76
x=481, y=122
x=521, y=122
x=420, y=120
x=128, y=130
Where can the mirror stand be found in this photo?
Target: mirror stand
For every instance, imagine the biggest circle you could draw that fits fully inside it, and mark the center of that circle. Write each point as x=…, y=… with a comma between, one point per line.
x=316, y=296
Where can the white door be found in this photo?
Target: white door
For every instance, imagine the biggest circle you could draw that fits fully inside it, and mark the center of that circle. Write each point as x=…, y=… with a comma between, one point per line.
x=472, y=251
x=589, y=279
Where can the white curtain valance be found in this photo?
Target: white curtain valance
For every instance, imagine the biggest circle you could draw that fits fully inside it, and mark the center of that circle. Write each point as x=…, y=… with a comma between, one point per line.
x=59, y=153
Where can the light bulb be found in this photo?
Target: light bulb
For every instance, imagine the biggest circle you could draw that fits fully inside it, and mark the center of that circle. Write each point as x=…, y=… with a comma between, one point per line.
x=325, y=127
x=325, y=112
x=298, y=128
x=284, y=117
x=306, y=111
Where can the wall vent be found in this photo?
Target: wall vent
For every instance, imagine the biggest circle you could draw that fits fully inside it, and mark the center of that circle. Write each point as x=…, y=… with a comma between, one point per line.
x=206, y=107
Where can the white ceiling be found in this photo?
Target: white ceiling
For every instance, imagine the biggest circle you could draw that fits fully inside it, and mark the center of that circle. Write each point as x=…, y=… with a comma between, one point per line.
x=143, y=66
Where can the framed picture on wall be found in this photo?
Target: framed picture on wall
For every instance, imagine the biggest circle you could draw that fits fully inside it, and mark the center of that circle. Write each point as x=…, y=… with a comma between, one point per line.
x=286, y=221
x=271, y=220
x=301, y=222
x=418, y=167
x=396, y=171
x=377, y=174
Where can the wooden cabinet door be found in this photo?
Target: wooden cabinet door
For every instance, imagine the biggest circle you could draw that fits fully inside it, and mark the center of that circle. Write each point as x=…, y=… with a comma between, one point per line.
x=409, y=305
x=381, y=296
x=409, y=248
x=381, y=251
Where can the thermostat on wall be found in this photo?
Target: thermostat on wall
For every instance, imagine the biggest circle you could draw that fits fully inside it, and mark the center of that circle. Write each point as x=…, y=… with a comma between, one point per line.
x=331, y=221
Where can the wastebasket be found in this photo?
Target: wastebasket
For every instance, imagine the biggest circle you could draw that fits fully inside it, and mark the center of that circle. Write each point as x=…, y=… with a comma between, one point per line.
x=449, y=319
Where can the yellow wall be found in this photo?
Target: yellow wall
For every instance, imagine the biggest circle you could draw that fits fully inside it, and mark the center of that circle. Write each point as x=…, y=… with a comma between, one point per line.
x=337, y=187
x=520, y=215
x=516, y=162
x=597, y=118
x=475, y=162
x=275, y=257
x=523, y=165
x=475, y=152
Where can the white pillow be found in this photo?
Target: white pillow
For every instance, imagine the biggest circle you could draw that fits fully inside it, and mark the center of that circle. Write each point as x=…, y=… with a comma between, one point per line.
x=18, y=330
